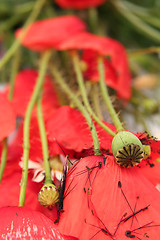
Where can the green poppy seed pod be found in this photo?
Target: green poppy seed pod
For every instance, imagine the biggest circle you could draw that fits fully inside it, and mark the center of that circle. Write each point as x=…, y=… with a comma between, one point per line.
x=48, y=195
x=127, y=149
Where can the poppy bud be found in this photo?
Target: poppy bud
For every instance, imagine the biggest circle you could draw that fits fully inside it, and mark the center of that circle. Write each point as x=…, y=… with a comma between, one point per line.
x=127, y=149
x=48, y=195
x=147, y=151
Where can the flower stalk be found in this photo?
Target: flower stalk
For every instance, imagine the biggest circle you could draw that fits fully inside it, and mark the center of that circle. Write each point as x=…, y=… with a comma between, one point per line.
x=80, y=81
x=3, y=158
x=43, y=140
x=14, y=47
x=37, y=89
x=106, y=97
x=74, y=98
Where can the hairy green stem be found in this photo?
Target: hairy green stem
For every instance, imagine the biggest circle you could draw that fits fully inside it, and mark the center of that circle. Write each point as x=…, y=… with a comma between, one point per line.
x=73, y=97
x=3, y=158
x=106, y=97
x=26, y=146
x=80, y=81
x=36, y=10
x=44, y=142
x=96, y=100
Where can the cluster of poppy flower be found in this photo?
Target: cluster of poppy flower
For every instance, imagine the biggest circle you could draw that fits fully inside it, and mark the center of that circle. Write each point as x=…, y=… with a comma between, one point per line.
x=96, y=198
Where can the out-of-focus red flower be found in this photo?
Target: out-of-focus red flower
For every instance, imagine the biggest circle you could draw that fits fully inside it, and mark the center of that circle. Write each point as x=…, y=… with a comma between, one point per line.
x=106, y=201
x=79, y=4
x=70, y=129
x=22, y=223
x=49, y=33
x=7, y=117
x=91, y=73
x=106, y=47
x=24, y=85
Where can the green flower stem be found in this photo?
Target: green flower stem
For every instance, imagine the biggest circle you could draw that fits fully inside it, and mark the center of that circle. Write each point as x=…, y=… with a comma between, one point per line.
x=106, y=97
x=143, y=51
x=93, y=19
x=36, y=10
x=84, y=94
x=44, y=142
x=96, y=100
x=3, y=158
x=14, y=70
x=73, y=97
x=26, y=146
x=136, y=21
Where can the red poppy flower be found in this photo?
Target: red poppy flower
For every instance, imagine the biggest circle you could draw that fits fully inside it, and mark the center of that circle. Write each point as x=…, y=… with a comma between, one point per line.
x=25, y=82
x=70, y=129
x=7, y=117
x=79, y=4
x=91, y=73
x=106, y=201
x=49, y=33
x=22, y=223
x=106, y=47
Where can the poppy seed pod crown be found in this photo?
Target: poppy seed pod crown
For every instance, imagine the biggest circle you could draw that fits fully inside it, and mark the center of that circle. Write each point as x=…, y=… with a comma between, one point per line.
x=127, y=149
x=48, y=195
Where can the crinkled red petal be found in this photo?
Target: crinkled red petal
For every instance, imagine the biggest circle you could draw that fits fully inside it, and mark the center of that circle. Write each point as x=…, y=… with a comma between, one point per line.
x=90, y=58
x=82, y=4
x=105, y=47
x=7, y=117
x=49, y=33
x=106, y=201
x=70, y=129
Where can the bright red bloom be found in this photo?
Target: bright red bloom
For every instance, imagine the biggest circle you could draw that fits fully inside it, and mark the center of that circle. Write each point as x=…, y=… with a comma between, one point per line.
x=7, y=117
x=49, y=33
x=107, y=201
x=70, y=129
x=106, y=47
x=91, y=73
x=24, y=85
x=22, y=223
x=79, y=4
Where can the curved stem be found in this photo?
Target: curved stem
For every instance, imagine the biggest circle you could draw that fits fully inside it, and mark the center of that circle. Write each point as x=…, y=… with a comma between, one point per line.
x=136, y=21
x=3, y=158
x=143, y=51
x=84, y=94
x=106, y=97
x=37, y=88
x=44, y=142
x=73, y=97
x=15, y=67
x=36, y=10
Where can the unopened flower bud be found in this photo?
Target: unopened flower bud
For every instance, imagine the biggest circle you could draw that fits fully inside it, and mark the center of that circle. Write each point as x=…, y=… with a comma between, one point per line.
x=48, y=195
x=127, y=149
x=147, y=151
